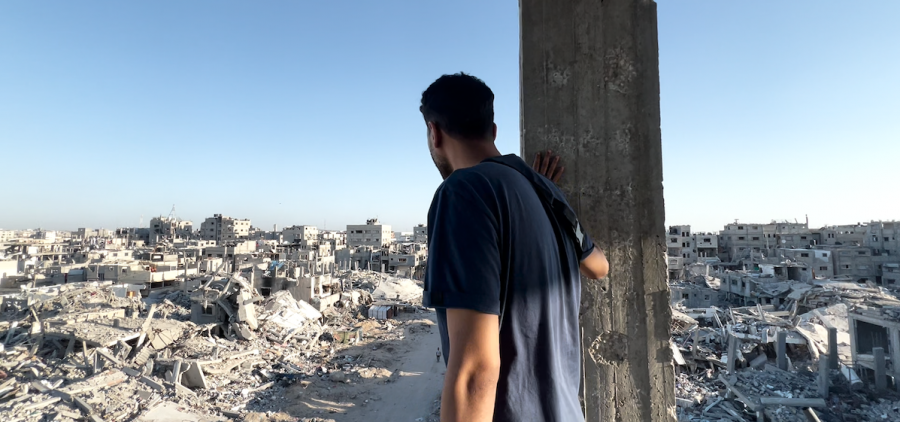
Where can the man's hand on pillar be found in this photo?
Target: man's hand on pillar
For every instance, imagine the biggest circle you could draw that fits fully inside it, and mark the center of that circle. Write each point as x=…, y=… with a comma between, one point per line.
x=548, y=165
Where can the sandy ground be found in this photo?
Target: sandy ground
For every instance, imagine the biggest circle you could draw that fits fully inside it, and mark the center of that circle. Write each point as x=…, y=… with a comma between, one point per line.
x=403, y=382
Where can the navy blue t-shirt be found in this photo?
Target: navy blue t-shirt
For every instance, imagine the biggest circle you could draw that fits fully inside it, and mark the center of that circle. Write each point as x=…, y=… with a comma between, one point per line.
x=489, y=237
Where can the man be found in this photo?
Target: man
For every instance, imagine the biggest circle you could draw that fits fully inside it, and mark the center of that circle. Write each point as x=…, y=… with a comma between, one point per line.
x=502, y=275
x=437, y=354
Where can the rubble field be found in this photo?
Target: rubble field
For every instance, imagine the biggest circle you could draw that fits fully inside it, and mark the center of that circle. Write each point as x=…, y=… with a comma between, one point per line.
x=94, y=351
x=90, y=352
x=774, y=362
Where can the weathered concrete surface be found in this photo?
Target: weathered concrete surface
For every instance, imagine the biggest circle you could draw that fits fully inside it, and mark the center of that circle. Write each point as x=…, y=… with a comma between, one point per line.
x=590, y=92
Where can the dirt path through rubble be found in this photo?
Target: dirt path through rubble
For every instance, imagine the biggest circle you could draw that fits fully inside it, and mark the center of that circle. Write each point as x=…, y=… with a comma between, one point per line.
x=412, y=396
x=400, y=380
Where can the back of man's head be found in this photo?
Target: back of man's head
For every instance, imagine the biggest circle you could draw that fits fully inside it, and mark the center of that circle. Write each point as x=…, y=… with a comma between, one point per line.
x=461, y=105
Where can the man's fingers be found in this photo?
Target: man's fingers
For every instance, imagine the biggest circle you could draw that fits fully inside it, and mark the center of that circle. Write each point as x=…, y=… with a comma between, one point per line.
x=548, y=165
x=558, y=174
x=545, y=162
x=553, y=164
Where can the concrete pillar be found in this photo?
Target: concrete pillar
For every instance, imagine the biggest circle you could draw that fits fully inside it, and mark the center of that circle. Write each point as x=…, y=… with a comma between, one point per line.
x=880, y=369
x=895, y=351
x=823, y=376
x=781, y=350
x=176, y=372
x=590, y=92
x=97, y=364
x=833, y=347
x=853, y=343
x=732, y=353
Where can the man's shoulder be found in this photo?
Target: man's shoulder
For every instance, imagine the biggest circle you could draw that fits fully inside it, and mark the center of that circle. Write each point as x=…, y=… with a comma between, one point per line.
x=508, y=170
x=477, y=179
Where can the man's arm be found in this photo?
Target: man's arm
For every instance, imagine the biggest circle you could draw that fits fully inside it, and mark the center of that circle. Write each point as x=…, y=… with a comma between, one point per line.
x=463, y=277
x=594, y=265
x=470, y=385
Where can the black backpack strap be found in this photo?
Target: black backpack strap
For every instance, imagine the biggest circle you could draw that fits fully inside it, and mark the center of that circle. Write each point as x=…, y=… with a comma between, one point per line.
x=561, y=210
x=557, y=211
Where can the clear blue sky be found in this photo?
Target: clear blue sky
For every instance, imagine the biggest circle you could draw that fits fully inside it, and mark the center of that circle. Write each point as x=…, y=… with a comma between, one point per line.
x=290, y=112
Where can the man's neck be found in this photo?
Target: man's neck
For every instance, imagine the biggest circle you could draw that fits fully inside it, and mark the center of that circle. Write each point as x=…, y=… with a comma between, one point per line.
x=474, y=156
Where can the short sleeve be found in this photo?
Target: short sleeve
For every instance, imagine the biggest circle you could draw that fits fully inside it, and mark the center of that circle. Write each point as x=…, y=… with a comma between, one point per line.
x=588, y=247
x=463, y=268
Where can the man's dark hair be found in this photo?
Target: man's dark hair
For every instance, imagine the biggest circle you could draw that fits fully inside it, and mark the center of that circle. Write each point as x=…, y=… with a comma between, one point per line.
x=461, y=105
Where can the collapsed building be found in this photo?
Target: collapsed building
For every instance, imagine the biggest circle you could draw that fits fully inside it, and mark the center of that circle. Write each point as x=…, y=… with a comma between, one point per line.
x=772, y=348
x=100, y=351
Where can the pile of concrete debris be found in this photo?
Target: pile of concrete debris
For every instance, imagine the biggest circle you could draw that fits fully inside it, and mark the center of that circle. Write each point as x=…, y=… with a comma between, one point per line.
x=766, y=363
x=97, y=351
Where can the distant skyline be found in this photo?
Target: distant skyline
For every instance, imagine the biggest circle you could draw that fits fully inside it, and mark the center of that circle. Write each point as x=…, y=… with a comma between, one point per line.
x=694, y=228
x=295, y=113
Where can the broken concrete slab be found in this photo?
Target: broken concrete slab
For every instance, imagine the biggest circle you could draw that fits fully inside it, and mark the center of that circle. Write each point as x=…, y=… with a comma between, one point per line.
x=162, y=338
x=93, y=333
x=226, y=307
x=106, y=379
x=39, y=386
x=83, y=405
x=69, y=414
x=194, y=377
x=181, y=390
x=150, y=382
x=131, y=372
x=106, y=354
x=242, y=331
x=41, y=404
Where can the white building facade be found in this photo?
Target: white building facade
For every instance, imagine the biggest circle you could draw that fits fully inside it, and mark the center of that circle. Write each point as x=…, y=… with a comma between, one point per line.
x=373, y=233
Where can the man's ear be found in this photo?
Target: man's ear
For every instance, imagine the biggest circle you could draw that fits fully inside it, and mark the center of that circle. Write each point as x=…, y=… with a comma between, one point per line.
x=494, y=133
x=437, y=137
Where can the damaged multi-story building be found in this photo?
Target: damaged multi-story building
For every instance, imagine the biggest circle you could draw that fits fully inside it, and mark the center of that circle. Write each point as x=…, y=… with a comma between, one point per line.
x=685, y=248
x=224, y=229
x=697, y=292
x=743, y=240
x=305, y=235
x=420, y=233
x=169, y=228
x=818, y=262
x=373, y=233
x=859, y=252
